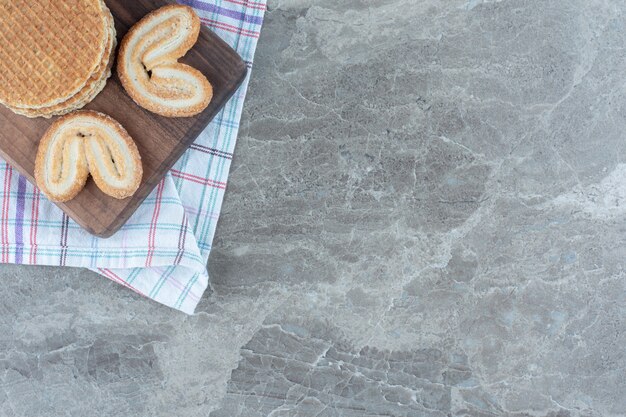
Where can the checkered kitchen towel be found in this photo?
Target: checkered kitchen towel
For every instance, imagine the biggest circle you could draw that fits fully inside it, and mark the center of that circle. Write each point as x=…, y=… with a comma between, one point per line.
x=163, y=250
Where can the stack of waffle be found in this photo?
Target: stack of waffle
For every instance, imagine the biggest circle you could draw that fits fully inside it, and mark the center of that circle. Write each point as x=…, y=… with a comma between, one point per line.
x=55, y=56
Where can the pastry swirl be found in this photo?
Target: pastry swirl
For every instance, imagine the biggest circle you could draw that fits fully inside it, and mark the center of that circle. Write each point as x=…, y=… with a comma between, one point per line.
x=84, y=143
x=148, y=64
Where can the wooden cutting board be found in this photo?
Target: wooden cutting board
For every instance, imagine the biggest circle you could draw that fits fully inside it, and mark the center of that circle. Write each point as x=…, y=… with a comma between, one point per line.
x=161, y=141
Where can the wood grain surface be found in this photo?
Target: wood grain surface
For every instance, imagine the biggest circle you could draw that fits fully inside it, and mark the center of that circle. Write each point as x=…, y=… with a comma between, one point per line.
x=161, y=141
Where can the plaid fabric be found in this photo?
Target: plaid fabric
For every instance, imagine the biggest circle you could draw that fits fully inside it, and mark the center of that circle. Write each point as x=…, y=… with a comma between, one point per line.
x=163, y=250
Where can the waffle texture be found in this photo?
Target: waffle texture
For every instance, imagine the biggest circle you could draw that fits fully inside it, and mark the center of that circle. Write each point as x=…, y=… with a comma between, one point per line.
x=94, y=86
x=50, y=49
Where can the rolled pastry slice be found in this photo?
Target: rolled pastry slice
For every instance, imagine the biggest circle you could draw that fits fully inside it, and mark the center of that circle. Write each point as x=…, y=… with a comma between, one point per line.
x=148, y=64
x=82, y=143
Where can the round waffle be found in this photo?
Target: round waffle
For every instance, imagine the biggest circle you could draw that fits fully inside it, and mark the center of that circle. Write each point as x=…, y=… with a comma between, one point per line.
x=50, y=49
x=93, y=87
x=148, y=64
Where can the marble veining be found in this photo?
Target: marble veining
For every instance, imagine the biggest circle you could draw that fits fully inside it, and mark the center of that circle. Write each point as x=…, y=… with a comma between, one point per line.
x=426, y=216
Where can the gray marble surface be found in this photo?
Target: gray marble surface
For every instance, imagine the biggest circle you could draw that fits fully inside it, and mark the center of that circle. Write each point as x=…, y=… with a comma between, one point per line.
x=426, y=217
